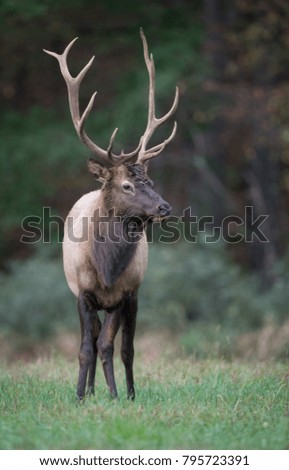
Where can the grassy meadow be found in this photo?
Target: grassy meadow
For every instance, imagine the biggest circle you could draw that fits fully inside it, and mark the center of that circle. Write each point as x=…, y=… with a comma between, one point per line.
x=181, y=403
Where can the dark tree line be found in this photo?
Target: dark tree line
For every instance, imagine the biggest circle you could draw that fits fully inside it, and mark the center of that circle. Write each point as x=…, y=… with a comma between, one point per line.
x=247, y=43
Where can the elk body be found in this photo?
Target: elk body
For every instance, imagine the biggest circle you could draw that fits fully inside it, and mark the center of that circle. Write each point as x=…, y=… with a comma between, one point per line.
x=104, y=245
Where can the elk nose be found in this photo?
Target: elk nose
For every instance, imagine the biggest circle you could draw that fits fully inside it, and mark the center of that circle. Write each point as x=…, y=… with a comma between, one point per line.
x=164, y=209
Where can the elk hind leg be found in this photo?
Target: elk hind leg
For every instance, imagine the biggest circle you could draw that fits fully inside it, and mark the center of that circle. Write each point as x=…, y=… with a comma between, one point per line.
x=105, y=347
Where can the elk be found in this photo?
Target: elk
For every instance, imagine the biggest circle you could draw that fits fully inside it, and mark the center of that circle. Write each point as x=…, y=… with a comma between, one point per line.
x=105, y=268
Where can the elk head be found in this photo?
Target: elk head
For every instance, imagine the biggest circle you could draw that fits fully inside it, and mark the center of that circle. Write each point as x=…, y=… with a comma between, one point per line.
x=126, y=185
x=129, y=191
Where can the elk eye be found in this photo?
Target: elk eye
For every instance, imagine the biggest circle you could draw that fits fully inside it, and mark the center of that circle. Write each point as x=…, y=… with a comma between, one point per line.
x=127, y=187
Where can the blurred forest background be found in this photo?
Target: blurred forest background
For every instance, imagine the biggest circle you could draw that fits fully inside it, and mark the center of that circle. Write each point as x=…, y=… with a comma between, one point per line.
x=230, y=59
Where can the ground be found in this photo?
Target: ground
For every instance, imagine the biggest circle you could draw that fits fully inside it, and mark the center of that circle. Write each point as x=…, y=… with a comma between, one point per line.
x=181, y=403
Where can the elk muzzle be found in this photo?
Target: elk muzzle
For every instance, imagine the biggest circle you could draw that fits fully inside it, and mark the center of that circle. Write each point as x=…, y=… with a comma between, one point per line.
x=164, y=209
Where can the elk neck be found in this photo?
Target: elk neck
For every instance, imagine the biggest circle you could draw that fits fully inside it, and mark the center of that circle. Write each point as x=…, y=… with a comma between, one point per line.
x=115, y=241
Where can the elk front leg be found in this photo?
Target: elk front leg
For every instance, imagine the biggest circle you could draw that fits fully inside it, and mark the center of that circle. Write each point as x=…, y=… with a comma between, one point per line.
x=105, y=347
x=129, y=313
x=90, y=328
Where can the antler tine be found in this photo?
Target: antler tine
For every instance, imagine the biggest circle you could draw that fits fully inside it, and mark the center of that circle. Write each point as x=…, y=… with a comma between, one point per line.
x=157, y=149
x=153, y=122
x=149, y=60
x=73, y=84
x=110, y=145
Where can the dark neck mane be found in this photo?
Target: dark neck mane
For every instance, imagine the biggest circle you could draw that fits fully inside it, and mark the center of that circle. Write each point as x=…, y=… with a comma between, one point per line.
x=115, y=244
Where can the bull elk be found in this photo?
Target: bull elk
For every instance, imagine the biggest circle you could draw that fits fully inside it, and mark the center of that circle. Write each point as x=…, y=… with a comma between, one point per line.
x=105, y=269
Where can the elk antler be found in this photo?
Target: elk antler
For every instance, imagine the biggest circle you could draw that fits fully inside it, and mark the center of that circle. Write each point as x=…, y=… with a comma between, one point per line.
x=153, y=123
x=73, y=85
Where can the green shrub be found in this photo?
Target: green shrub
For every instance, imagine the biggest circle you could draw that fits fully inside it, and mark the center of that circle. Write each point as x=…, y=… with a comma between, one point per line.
x=200, y=282
x=35, y=300
x=196, y=289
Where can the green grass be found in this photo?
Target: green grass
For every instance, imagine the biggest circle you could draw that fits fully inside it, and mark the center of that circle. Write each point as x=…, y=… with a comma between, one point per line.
x=180, y=404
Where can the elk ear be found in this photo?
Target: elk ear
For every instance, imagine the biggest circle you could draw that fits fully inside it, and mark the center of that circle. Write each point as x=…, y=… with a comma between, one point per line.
x=99, y=172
